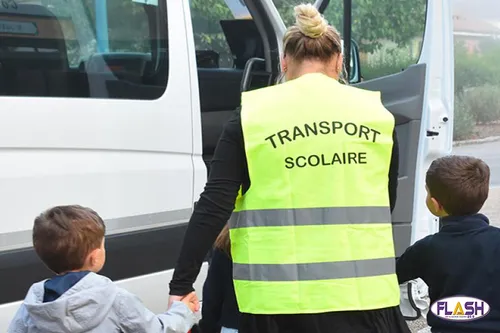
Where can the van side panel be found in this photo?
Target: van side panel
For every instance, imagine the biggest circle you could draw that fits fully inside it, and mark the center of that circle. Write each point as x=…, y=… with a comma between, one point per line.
x=130, y=160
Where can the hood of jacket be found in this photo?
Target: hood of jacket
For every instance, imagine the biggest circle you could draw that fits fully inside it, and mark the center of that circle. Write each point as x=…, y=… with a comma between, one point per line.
x=82, y=308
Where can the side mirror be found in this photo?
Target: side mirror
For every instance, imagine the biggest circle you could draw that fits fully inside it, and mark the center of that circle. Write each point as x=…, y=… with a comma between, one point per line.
x=355, y=73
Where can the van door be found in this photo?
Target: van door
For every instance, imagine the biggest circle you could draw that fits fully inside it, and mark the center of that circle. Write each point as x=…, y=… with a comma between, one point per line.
x=418, y=94
x=226, y=34
x=421, y=99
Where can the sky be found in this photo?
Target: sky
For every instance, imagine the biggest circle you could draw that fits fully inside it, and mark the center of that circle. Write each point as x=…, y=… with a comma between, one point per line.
x=481, y=9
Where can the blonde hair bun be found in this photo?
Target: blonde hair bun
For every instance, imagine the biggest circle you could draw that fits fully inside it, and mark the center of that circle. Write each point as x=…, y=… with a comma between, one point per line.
x=309, y=21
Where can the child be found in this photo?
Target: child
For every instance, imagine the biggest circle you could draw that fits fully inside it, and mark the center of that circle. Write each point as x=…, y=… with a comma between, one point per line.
x=70, y=242
x=220, y=310
x=462, y=258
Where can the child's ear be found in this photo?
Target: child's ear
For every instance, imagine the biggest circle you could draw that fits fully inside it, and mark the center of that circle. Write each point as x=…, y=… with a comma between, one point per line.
x=93, y=257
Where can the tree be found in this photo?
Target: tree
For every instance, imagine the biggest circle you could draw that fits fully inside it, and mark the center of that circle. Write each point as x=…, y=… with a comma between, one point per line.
x=399, y=21
x=374, y=21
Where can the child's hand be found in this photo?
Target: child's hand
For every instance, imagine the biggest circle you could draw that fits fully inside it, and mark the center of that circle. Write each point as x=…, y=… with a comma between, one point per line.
x=191, y=300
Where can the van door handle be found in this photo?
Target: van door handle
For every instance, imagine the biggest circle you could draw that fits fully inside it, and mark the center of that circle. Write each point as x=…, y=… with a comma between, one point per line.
x=432, y=133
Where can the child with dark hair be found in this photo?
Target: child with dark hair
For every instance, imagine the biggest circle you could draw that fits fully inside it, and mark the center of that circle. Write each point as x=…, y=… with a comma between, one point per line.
x=220, y=310
x=70, y=242
x=462, y=258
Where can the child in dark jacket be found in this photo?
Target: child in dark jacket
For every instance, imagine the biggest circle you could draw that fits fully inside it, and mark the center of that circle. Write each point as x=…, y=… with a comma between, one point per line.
x=462, y=258
x=220, y=310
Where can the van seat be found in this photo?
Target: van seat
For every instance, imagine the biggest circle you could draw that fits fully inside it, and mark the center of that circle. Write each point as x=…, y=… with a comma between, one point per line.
x=25, y=60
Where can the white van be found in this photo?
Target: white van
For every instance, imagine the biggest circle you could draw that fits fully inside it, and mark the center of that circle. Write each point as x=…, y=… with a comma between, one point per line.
x=119, y=104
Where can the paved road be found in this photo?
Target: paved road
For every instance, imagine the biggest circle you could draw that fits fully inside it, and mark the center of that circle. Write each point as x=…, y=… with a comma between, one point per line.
x=489, y=152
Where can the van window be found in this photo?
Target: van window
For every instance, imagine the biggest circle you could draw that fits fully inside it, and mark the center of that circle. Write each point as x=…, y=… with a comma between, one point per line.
x=389, y=37
x=213, y=23
x=84, y=48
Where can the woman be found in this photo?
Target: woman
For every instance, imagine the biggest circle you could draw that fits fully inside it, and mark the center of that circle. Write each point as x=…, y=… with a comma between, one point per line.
x=311, y=235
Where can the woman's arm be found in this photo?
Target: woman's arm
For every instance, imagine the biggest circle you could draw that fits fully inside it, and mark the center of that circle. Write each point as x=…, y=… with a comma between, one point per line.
x=227, y=173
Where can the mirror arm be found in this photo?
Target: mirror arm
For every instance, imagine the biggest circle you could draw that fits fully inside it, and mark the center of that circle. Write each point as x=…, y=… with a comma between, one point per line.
x=347, y=36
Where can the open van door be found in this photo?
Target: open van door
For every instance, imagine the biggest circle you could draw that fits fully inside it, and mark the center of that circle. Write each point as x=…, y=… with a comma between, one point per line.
x=421, y=99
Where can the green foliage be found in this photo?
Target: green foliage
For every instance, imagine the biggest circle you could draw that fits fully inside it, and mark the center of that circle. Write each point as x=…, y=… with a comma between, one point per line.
x=388, y=59
x=475, y=105
x=208, y=35
x=463, y=123
x=483, y=103
x=373, y=21
x=477, y=87
x=206, y=16
x=474, y=70
x=285, y=8
x=477, y=80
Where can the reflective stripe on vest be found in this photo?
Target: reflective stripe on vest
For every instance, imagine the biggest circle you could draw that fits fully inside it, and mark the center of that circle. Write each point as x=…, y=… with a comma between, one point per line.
x=313, y=271
x=313, y=232
x=310, y=216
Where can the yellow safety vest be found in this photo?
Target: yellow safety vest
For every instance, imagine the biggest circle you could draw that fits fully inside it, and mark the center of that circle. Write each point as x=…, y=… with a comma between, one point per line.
x=313, y=233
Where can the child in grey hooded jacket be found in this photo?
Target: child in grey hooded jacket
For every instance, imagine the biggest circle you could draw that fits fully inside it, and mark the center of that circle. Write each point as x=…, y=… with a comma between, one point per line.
x=70, y=241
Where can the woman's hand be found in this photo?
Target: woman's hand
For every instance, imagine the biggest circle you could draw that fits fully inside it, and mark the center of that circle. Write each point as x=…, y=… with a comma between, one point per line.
x=191, y=300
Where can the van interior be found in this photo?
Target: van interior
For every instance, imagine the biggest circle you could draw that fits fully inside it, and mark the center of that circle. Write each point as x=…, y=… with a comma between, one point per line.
x=220, y=88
